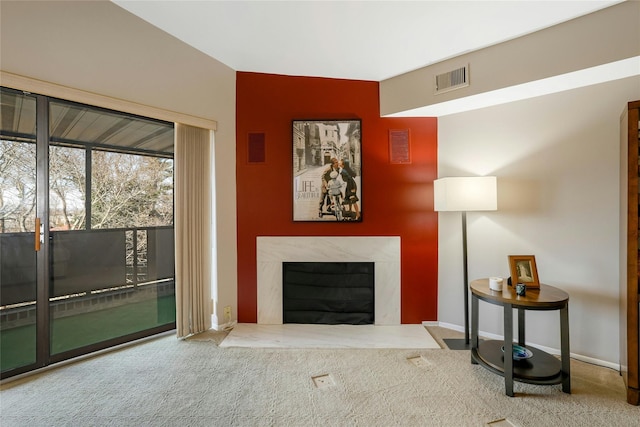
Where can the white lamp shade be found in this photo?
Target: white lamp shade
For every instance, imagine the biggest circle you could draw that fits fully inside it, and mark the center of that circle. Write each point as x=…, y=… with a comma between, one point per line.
x=473, y=193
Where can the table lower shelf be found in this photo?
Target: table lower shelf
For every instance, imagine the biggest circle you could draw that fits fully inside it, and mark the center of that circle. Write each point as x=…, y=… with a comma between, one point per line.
x=541, y=368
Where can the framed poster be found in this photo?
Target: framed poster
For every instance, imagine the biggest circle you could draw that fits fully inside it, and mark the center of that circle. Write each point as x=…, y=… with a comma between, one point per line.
x=327, y=170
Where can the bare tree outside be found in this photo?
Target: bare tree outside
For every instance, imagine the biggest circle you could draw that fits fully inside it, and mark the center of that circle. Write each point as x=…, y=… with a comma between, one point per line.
x=17, y=186
x=131, y=191
x=127, y=190
x=67, y=196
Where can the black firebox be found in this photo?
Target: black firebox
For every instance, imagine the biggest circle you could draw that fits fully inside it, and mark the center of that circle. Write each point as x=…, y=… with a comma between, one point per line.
x=329, y=293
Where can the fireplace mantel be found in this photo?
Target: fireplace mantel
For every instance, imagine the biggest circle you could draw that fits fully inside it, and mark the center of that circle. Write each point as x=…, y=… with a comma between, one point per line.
x=383, y=251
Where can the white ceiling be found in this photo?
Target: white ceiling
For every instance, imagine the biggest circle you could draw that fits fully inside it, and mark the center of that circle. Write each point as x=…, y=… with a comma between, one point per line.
x=359, y=40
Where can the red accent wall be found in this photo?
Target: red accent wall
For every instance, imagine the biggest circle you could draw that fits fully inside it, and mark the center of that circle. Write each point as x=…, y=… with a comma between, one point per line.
x=397, y=199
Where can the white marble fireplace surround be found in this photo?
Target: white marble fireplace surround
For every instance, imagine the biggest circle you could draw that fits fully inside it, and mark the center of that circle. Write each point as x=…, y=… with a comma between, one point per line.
x=383, y=251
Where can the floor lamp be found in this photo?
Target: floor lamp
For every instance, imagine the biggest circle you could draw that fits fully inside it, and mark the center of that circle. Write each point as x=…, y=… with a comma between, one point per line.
x=464, y=194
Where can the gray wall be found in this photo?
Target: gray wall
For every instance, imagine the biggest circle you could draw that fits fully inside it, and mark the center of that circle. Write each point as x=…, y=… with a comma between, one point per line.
x=557, y=162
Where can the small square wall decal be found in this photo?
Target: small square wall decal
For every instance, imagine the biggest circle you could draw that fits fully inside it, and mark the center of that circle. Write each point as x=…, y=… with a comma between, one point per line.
x=399, y=146
x=256, y=150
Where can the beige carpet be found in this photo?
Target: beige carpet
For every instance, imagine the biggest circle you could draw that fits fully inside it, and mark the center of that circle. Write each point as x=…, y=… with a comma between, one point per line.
x=194, y=382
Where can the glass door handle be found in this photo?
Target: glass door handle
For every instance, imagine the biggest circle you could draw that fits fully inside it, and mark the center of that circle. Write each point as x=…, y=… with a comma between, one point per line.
x=39, y=232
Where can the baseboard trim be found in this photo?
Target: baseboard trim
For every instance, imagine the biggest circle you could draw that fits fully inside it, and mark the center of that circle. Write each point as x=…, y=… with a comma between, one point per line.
x=550, y=350
x=225, y=326
x=430, y=323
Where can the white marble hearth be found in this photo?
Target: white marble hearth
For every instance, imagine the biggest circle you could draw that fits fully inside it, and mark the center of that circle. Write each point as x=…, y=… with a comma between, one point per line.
x=384, y=252
x=329, y=336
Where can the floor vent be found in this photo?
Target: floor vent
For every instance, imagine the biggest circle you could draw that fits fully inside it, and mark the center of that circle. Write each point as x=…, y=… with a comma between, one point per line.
x=419, y=361
x=323, y=381
x=452, y=80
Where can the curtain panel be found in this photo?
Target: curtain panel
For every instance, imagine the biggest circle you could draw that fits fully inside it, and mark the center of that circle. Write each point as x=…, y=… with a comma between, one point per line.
x=192, y=226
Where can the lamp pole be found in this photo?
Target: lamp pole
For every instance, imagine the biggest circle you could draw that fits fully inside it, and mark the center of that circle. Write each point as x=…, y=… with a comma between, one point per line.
x=466, y=278
x=464, y=194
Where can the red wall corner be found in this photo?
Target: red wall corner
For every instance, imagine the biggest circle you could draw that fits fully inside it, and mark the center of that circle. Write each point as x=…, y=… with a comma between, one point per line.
x=397, y=199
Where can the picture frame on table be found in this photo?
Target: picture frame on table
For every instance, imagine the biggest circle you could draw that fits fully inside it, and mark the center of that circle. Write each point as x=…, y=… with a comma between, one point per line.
x=524, y=270
x=327, y=170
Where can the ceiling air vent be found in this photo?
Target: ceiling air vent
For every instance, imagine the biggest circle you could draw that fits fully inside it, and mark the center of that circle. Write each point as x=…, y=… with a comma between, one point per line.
x=452, y=80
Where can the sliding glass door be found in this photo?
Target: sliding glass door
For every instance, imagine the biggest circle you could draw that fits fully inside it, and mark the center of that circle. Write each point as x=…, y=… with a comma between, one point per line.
x=86, y=210
x=18, y=239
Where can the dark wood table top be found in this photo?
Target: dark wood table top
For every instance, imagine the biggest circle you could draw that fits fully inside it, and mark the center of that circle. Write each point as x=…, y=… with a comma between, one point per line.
x=545, y=297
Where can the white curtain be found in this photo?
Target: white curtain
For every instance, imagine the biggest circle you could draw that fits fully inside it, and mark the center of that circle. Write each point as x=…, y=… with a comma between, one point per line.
x=192, y=228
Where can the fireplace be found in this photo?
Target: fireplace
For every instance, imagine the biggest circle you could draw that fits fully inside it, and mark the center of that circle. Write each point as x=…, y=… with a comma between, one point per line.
x=383, y=252
x=329, y=293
